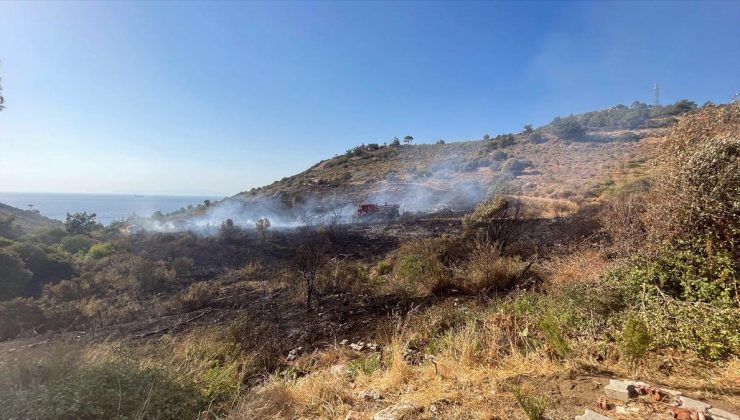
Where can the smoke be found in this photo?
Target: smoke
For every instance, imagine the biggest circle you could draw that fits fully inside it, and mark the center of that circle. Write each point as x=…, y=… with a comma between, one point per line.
x=449, y=182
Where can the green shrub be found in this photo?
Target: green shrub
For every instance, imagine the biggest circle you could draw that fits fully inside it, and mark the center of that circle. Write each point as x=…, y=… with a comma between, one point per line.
x=419, y=272
x=67, y=389
x=709, y=331
x=686, y=272
x=383, y=267
x=533, y=407
x=635, y=339
x=501, y=141
x=688, y=295
x=101, y=250
x=554, y=336
x=46, y=265
x=76, y=243
x=364, y=365
x=567, y=128
x=14, y=277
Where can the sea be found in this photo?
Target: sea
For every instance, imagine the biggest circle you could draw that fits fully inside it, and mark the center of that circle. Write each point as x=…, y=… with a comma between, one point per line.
x=107, y=207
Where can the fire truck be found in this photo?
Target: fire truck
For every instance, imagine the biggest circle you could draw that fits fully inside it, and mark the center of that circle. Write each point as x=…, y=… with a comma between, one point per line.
x=371, y=211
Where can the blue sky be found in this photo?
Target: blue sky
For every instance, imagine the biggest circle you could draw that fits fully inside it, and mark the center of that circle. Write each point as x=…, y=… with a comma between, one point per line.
x=215, y=98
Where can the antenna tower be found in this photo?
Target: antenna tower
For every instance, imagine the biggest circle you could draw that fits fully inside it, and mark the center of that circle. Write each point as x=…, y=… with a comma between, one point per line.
x=656, y=91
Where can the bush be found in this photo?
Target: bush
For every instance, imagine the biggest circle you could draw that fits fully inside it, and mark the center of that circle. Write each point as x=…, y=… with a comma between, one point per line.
x=18, y=315
x=46, y=267
x=567, y=128
x=487, y=270
x=7, y=229
x=76, y=243
x=499, y=155
x=197, y=296
x=554, y=336
x=364, y=365
x=229, y=230
x=501, y=141
x=697, y=188
x=68, y=388
x=537, y=138
x=183, y=266
x=688, y=272
x=14, y=277
x=101, y=250
x=516, y=166
x=495, y=220
x=533, y=407
x=419, y=269
x=689, y=297
x=635, y=339
x=150, y=276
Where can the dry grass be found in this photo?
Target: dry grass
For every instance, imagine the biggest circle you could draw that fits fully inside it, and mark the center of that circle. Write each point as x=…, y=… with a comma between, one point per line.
x=583, y=265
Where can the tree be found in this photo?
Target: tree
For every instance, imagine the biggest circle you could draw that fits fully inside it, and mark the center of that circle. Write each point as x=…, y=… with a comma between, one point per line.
x=207, y=202
x=229, y=230
x=309, y=259
x=528, y=129
x=14, y=277
x=395, y=142
x=408, y=139
x=567, y=128
x=262, y=226
x=81, y=223
x=486, y=137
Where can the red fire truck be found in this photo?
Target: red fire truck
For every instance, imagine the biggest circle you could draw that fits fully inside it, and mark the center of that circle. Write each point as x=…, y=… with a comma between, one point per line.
x=371, y=211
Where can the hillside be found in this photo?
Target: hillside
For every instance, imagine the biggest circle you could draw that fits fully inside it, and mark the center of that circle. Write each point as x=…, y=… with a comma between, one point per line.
x=28, y=221
x=554, y=168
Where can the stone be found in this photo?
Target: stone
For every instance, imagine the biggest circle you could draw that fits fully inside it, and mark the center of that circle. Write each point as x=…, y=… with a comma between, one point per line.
x=592, y=415
x=719, y=414
x=626, y=410
x=338, y=370
x=356, y=347
x=371, y=395
x=620, y=390
x=353, y=415
x=692, y=404
x=671, y=392
x=343, y=342
x=395, y=412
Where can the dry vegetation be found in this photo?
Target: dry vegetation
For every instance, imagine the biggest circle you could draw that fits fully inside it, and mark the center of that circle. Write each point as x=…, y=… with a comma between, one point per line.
x=522, y=309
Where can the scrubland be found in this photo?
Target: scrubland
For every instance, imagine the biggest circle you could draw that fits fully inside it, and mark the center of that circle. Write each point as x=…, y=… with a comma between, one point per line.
x=522, y=308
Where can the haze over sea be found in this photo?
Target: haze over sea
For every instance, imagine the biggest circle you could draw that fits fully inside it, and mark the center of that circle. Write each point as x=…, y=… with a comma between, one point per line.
x=107, y=207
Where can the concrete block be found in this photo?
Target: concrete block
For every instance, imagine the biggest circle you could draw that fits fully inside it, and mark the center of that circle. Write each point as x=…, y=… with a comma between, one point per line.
x=719, y=414
x=692, y=404
x=592, y=415
x=620, y=390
